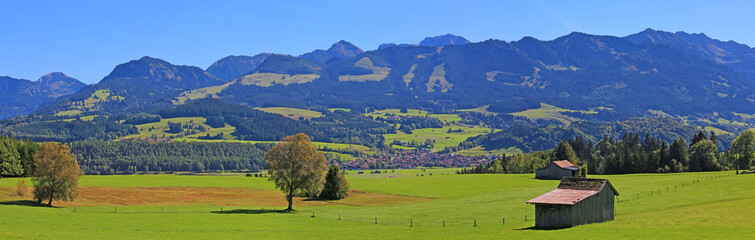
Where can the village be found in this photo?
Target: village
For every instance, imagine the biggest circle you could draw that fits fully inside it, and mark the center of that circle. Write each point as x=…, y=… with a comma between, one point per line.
x=414, y=159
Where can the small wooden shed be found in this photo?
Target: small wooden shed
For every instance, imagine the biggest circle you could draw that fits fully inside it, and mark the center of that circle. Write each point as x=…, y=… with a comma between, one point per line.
x=576, y=201
x=557, y=170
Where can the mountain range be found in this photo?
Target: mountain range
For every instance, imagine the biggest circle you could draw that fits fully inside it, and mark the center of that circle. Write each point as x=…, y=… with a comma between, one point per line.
x=21, y=96
x=652, y=71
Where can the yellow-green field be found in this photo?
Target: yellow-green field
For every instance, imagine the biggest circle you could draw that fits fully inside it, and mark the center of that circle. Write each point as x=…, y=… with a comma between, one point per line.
x=68, y=113
x=441, y=136
x=293, y=113
x=483, y=110
x=159, y=129
x=378, y=73
x=397, y=112
x=269, y=79
x=480, y=151
x=550, y=112
x=200, y=93
x=712, y=205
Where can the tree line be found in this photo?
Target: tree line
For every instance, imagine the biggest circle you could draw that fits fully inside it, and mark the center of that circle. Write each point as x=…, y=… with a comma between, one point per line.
x=633, y=154
x=126, y=157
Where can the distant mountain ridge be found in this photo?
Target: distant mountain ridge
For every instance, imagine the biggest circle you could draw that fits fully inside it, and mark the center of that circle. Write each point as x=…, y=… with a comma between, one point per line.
x=739, y=57
x=21, y=96
x=630, y=76
x=139, y=85
x=436, y=41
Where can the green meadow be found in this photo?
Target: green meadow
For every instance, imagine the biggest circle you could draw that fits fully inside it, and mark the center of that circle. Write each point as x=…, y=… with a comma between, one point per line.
x=715, y=205
x=442, y=137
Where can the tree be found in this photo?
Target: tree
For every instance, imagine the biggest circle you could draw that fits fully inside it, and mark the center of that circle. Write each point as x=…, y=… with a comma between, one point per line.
x=295, y=164
x=678, y=151
x=56, y=173
x=21, y=188
x=742, y=151
x=564, y=151
x=10, y=161
x=336, y=186
x=698, y=137
x=703, y=156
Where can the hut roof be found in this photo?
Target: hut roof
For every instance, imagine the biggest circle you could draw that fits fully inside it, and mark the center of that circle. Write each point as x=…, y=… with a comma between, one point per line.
x=571, y=190
x=566, y=164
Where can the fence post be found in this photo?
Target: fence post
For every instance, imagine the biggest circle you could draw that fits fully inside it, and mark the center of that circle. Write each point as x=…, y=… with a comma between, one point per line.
x=339, y=217
x=503, y=221
x=313, y=214
x=475, y=222
x=411, y=222
x=74, y=209
x=221, y=208
x=375, y=220
x=116, y=210
x=444, y=222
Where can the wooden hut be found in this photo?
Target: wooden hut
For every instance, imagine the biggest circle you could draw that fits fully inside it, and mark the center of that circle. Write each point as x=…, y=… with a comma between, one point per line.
x=557, y=170
x=576, y=201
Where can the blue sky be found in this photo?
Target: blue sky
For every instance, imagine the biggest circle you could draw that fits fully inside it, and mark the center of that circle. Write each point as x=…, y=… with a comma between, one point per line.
x=87, y=39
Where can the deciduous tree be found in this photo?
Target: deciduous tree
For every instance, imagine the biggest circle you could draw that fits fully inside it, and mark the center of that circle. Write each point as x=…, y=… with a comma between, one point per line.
x=56, y=173
x=295, y=164
x=703, y=156
x=742, y=151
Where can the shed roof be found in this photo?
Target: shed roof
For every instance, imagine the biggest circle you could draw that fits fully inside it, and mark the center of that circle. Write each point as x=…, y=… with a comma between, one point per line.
x=562, y=196
x=571, y=190
x=565, y=164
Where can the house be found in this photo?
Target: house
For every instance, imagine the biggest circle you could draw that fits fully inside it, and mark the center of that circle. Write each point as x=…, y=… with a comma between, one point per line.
x=576, y=201
x=557, y=170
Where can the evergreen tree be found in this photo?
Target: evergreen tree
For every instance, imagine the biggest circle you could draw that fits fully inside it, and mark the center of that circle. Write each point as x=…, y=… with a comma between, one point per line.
x=10, y=160
x=564, y=151
x=679, y=154
x=335, y=186
x=698, y=137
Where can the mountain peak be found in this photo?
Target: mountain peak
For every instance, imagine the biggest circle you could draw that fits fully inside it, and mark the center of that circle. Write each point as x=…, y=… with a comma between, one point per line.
x=340, y=49
x=443, y=40
x=233, y=66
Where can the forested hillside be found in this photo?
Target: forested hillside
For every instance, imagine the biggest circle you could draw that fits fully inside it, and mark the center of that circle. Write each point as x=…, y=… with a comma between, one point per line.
x=124, y=157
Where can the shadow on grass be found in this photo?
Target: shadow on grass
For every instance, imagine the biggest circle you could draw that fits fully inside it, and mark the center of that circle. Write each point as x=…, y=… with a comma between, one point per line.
x=252, y=211
x=541, y=228
x=29, y=203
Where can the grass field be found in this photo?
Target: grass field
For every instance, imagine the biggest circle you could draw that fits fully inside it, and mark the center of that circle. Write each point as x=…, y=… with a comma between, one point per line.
x=479, y=150
x=441, y=136
x=378, y=73
x=293, y=113
x=269, y=79
x=483, y=110
x=550, y=112
x=158, y=129
x=397, y=112
x=719, y=206
x=200, y=93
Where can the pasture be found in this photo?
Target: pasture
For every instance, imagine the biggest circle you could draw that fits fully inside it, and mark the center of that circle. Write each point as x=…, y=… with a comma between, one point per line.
x=441, y=136
x=682, y=206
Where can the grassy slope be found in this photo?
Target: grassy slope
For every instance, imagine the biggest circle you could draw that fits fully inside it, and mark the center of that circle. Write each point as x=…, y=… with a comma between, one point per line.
x=549, y=112
x=441, y=136
x=714, y=208
x=293, y=113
